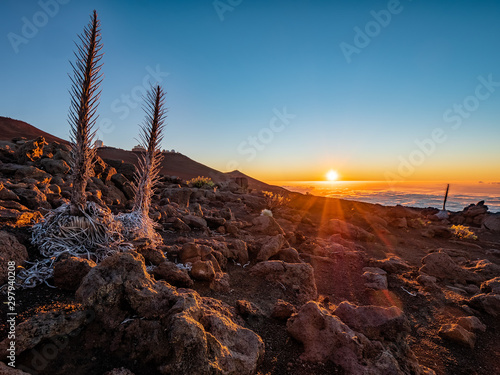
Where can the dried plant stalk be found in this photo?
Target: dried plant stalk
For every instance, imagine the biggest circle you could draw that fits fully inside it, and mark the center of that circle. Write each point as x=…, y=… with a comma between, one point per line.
x=150, y=161
x=137, y=224
x=79, y=227
x=82, y=116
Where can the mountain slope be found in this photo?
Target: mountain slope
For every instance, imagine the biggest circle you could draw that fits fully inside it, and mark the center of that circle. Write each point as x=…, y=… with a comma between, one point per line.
x=173, y=164
x=256, y=184
x=10, y=128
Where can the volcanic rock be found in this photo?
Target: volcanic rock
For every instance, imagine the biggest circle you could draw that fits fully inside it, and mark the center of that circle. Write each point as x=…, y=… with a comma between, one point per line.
x=347, y=230
x=17, y=218
x=238, y=250
x=173, y=275
x=492, y=285
x=195, y=221
x=393, y=264
x=283, y=310
x=271, y=247
x=178, y=195
x=7, y=370
x=492, y=223
x=296, y=278
x=325, y=337
x=203, y=270
x=489, y=303
x=179, y=331
x=442, y=266
x=46, y=325
x=375, y=278
x=32, y=198
x=32, y=172
x=375, y=322
x=6, y=194
x=10, y=251
x=69, y=273
x=289, y=255
x=31, y=150
x=458, y=334
x=55, y=167
x=471, y=323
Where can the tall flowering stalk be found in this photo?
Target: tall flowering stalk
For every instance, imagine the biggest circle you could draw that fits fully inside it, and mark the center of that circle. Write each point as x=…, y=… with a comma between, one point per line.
x=137, y=223
x=79, y=227
x=82, y=115
x=150, y=161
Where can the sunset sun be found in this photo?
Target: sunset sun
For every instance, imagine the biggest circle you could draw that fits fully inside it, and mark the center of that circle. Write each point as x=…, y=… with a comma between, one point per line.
x=332, y=175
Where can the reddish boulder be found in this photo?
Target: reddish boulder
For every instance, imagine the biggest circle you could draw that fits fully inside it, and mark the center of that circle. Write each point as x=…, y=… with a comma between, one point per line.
x=26, y=172
x=32, y=198
x=69, y=273
x=375, y=322
x=471, y=323
x=173, y=275
x=442, y=266
x=190, y=253
x=30, y=150
x=203, y=271
x=55, y=167
x=489, y=303
x=375, y=278
x=7, y=370
x=178, y=331
x=283, y=310
x=289, y=255
x=46, y=325
x=11, y=250
x=458, y=334
x=297, y=279
x=7, y=194
x=347, y=230
x=492, y=285
x=247, y=308
x=325, y=337
x=271, y=247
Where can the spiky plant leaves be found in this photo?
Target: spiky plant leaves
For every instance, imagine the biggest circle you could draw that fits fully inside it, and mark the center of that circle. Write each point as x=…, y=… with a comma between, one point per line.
x=138, y=224
x=80, y=227
x=150, y=160
x=82, y=115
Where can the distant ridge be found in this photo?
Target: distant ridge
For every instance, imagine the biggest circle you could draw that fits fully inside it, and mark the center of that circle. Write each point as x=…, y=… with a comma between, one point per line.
x=256, y=184
x=10, y=128
x=173, y=164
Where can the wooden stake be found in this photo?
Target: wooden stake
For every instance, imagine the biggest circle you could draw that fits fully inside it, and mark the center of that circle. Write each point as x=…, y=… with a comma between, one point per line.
x=446, y=196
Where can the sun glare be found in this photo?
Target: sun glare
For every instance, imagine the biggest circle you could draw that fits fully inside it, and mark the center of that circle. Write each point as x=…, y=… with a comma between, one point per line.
x=332, y=175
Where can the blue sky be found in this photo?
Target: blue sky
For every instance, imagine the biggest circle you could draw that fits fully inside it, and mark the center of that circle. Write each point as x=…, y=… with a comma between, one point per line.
x=264, y=86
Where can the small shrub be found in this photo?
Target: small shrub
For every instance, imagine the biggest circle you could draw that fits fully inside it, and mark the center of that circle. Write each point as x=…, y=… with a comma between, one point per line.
x=462, y=232
x=201, y=182
x=274, y=200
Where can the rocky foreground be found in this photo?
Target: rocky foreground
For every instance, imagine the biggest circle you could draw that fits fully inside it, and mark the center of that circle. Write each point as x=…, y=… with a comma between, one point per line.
x=322, y=286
